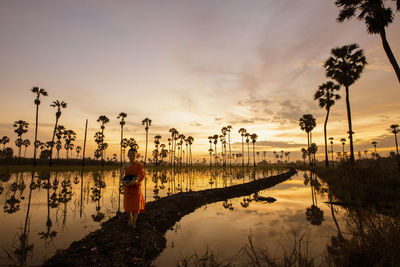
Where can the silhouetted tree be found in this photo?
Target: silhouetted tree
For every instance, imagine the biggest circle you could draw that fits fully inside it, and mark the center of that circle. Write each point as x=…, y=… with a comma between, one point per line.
x=69, y=137
x=147, y=123
x=395, y=130
x=374, y=143
x=247, y=135
x=327, y=96
x=26, y=143
x=103, y=120
x=78, y=150
x=190, y=140
x=59, y=105
x=307, y=123
x=122, y=115
x=38, y=93
x=343, y=141
x=254, y=140
x=376, y=15
x=4, y=141
x=21, y=128
x=331, y=141
x=345, y=66
x=228, y=129
x=59, y=134
x=242, y=132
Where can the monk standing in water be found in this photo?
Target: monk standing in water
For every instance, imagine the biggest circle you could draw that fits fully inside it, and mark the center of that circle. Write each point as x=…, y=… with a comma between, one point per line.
x=133, y=197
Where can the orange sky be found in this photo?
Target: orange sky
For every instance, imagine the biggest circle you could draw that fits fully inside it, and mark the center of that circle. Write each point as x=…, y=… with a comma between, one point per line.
x=193, y=65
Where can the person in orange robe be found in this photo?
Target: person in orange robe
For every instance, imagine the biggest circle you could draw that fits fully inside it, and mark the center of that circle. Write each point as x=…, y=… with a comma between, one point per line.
x=133, y=197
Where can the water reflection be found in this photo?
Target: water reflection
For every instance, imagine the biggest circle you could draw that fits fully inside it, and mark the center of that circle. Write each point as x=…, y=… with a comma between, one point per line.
x=313, y=214
x=46, y=211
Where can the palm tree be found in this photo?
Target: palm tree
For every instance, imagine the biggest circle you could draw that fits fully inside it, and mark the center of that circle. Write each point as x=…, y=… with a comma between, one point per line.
x=78, y=150
x=122, y=115
x=345, y=66
x=147, y=123
x=254, y=140
x=59, y=134
x=69, y=136
x=307, y=123
x=247, y=135
x=4, y=141
x=304, y=154
x=242, y=132
x=38, y=92
x=103, y=119
x=215, y=137
x=58, y=105
x=343, y=141
x=374, y=144
x=21, y=128
x=26, y=143
x=190, y=140
x=264, y=154
x=331, y=141
x=377, y=17
x=174, y=134
x=326, y=96
x=211, y=152
x=228, y=129
x=395, y=130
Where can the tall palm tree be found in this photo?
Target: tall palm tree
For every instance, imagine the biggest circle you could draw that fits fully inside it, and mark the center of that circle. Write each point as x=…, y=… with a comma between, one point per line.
x=228, y=129
x=21, y=128
x=147, y=123
x=190, y=140
x=4, y=141
x=377, y=17
x=242, y=132
x=327, y=96
x=38, y=93
x=26, y=143
x=247, y=135
x=307, y=123
x=122, y=115
x=331, y=142
x=211, y=152
x=304, y=154
x=174, y=134
x=103, y=119
x=345, y=66
x=59, y=105
x=215, y=137
x=395, y=130
x=254, y=140
x=343, y=141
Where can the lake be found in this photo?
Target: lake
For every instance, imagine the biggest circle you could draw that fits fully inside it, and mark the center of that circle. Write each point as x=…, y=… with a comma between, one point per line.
x=45, y=212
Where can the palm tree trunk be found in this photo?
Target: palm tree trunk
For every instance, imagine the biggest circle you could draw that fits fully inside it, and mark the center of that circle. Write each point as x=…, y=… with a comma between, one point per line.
x=122, y=136
x=254, y=155
x=242, y=151
x=397, y=147
x=308, y=148
x=230, y=151
x=52, y=143
x=36, y=128
x=248, y=154
x=19, y=152
x=26, y=147
x=333, y=162
x=215, y=152
x=350, y=126
x=389, y=53
x=326, y=142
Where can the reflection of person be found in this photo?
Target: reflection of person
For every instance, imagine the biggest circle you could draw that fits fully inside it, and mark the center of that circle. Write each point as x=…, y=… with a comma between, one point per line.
x=133, y=197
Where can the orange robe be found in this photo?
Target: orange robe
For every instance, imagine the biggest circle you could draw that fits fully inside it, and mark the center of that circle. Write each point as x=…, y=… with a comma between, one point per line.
x=133, y=197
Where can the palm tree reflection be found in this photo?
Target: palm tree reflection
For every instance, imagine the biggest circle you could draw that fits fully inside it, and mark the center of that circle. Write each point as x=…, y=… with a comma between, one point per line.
x=313, y=214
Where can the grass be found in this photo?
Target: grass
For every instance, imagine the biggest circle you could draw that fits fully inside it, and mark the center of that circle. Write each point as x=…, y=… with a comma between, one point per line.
x=369, y=183
x=295, y=253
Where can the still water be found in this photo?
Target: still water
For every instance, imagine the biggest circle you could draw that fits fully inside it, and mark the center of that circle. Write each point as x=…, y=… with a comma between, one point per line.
x=298, y=209
x=44, y=212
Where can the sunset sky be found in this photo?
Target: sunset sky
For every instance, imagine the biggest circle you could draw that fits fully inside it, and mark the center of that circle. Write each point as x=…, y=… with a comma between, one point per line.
x=193, y=65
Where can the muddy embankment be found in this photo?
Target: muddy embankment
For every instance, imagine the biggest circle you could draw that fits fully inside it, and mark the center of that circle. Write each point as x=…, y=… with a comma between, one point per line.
x=117, y=244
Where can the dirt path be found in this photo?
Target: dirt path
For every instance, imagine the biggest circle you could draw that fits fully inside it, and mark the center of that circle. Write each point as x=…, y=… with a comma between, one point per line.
x=117, y=244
